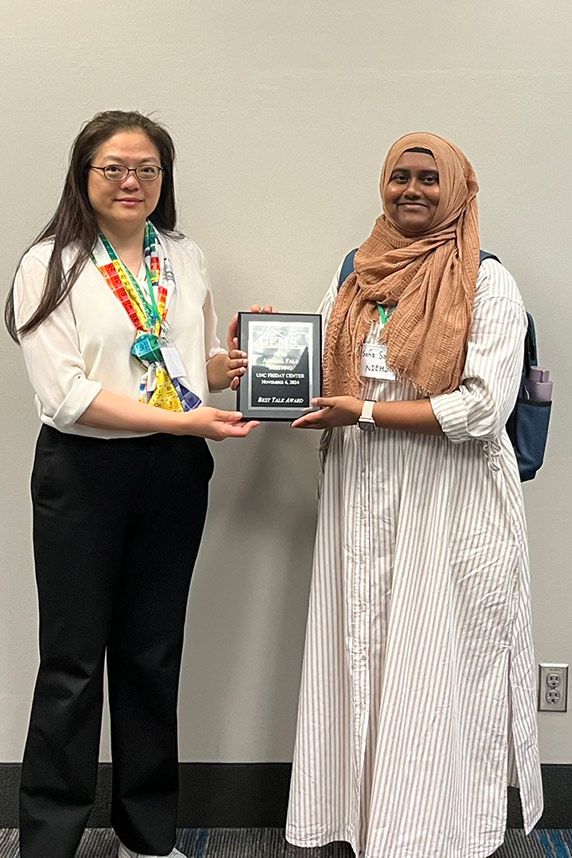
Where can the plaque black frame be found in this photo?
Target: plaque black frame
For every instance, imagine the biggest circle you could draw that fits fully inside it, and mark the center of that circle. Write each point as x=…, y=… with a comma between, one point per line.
x=275, y=389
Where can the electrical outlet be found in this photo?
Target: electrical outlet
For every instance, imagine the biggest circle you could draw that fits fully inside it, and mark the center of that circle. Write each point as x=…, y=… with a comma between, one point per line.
x=553, y=688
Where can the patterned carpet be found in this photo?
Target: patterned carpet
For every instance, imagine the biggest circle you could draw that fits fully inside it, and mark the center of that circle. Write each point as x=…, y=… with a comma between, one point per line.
x=270, y=843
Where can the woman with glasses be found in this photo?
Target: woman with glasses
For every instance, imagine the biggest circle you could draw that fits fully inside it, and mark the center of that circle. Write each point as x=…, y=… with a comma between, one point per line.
x=113, y=311
x=418, y=701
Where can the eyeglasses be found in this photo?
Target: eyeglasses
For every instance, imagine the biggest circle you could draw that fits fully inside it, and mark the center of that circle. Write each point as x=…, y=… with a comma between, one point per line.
x=118, y=173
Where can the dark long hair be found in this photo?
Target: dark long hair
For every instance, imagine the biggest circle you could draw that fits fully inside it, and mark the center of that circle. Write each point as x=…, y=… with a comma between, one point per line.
x=74, y=219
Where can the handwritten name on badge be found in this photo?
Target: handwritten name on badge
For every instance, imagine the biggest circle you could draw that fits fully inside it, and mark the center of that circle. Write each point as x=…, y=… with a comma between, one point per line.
x=374, y=362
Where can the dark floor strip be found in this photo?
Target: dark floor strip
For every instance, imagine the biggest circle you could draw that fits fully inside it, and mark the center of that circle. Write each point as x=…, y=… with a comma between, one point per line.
x=270, y=843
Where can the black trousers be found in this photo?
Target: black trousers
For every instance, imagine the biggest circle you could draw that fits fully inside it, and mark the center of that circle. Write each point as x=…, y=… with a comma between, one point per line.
x=117, y=527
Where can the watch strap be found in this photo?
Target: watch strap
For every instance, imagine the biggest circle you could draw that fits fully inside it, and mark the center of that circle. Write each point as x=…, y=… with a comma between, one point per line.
x=367, y=409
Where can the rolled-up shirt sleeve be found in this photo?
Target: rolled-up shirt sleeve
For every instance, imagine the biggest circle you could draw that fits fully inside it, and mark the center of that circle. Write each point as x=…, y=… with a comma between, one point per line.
x=479, y=408
x=212, y=343
x=51, y=352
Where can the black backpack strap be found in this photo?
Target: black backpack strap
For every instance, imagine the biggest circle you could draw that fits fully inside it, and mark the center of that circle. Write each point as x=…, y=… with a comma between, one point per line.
x=347, y=267
x=484, y=254
x=530, y=349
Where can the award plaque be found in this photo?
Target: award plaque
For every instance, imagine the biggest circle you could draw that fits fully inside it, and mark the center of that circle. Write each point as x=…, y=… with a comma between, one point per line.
x=284, y=364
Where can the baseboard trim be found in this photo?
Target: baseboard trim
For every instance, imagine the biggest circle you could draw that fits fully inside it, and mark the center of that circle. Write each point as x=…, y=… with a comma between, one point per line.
x=255, y=795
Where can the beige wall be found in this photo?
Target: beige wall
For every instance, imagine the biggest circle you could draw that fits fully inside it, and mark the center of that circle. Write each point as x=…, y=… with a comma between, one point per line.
x=282, y=113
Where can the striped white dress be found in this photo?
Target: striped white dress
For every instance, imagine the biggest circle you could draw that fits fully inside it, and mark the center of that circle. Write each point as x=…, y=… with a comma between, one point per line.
x=418, y=701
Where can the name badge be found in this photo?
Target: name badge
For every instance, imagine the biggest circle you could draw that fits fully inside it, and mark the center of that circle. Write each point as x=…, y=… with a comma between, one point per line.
x=172, y=360
x=374, y=362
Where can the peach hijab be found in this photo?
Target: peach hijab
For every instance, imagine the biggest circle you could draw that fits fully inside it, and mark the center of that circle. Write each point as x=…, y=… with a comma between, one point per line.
x=430, y=277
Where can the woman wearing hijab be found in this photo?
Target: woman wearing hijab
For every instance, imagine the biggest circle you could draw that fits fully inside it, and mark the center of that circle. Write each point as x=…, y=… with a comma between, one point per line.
x=417, y=704
x=114, y=313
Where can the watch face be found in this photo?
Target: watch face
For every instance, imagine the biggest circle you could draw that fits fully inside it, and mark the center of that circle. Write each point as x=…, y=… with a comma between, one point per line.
x=367, y=424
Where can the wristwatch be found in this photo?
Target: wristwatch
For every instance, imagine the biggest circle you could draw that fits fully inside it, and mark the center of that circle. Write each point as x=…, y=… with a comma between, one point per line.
x=365, y=420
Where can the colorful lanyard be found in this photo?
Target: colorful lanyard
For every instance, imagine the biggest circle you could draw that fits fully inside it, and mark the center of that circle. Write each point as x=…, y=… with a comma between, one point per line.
x=383, y=315
x=146, y=315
